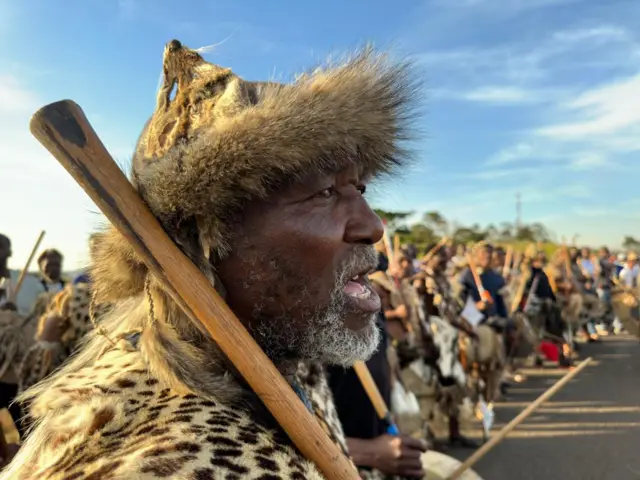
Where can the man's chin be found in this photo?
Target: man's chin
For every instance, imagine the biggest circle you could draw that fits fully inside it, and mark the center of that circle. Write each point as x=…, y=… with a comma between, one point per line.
x=350, y=346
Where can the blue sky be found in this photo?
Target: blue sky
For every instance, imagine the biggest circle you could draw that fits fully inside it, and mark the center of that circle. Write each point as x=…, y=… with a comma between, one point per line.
x=540, y=97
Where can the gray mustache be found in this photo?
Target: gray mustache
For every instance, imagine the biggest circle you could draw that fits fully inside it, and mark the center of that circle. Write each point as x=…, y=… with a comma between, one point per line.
x=364, y=257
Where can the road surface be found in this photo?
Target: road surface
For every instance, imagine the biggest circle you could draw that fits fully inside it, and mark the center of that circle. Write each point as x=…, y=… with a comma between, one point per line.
x=590, y=430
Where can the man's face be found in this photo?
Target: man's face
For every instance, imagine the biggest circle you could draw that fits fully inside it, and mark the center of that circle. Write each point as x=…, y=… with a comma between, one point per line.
x=483, y=257
x=437, y=261
x=406, y=269
x=51, y=267
x=586, y=253
x=297, y=271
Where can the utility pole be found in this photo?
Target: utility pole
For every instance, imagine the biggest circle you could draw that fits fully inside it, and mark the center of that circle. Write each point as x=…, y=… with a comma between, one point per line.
x=518, y=212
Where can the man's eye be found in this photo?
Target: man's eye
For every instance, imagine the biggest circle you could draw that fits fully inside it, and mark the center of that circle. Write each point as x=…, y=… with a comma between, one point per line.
x=326, y=193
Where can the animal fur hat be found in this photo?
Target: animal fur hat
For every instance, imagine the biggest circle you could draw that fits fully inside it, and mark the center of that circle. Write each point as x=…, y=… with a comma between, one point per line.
x=222, y=141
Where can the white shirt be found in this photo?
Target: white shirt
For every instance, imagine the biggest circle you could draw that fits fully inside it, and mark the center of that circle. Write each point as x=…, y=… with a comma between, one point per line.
x=588, y=266
x=629, y=276
x=7, y=285
x=31, y=287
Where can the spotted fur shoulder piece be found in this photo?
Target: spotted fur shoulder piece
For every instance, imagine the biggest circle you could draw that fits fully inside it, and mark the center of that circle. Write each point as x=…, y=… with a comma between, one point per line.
x=116, y=420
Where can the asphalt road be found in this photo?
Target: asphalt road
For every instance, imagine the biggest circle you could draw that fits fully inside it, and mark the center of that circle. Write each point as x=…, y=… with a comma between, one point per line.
x=590, y=430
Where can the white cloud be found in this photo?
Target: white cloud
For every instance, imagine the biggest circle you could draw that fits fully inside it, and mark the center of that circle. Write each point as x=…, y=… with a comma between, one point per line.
x=595, y=127
x=601, y=33
x=500, y=95
x=600, y=111
x=493, y=174
x=512, y=154
x=505, y=94
x=521, y=64
x=590, y=161
x=14, y=99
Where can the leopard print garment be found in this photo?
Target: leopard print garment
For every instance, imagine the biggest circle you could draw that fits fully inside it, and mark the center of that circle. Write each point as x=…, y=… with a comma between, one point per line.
x=115, y=420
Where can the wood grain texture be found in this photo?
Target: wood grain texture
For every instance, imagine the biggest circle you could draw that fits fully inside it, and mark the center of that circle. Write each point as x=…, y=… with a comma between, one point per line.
x=522, y=416
x=65, y=131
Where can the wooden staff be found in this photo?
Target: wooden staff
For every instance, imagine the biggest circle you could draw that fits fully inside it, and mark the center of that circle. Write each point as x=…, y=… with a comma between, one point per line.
x=427, y=256
x=387, y=246
x=567, y=261
x=517, y=260
x=597, y=269
x=484, y=295
x=23, y=273
x=518, y=296
x=396, y=245
x=506, y=270
x=482, y=451
x=395, y=266
x=370, y=387
x=65, y=131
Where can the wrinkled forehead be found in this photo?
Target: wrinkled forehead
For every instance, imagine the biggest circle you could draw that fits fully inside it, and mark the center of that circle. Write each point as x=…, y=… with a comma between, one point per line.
x=352, y=172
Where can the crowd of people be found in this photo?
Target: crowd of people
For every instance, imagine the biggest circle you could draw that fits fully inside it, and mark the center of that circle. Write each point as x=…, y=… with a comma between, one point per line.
x=107, y=377
x=433, y=316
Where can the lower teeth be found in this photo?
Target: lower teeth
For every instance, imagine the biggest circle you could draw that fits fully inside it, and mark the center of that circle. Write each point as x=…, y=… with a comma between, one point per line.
x=364, y=294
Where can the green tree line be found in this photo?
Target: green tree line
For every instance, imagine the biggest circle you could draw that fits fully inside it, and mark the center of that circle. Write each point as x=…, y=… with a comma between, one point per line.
x=433, y=226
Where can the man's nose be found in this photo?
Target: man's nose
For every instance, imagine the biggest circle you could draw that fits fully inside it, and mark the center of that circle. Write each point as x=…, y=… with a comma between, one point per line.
x=364, y=226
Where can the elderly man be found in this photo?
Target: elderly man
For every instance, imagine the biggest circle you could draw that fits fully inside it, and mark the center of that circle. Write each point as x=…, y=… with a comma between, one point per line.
x=438, y=301
x=261, y=185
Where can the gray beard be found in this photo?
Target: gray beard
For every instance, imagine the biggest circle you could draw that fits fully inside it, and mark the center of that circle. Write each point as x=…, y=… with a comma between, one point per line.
x=322, y=335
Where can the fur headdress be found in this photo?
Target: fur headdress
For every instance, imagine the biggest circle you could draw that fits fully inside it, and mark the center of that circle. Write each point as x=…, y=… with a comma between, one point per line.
x=221, y=141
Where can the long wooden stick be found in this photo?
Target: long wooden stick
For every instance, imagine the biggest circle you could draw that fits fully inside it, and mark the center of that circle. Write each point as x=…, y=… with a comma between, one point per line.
x=484, y=295
x=23, y=273
x=506, y=269
x=65, y=131
x=396, y=245
x=482, y=451
x=427, y=256
x=389, y=247
x=395, y=267
x=370, y=387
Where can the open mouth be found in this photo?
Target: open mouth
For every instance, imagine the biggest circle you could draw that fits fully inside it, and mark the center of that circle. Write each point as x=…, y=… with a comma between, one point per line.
x=360, y=292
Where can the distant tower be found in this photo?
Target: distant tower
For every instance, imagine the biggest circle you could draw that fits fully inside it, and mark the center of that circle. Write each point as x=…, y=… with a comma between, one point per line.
x=518, y=212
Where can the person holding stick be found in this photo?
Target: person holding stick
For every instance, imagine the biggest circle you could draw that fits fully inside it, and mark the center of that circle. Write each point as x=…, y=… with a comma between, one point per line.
x=485, y=287
x=50, y=264
x=438, y=301
x=491, y=304
x=262, y=187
